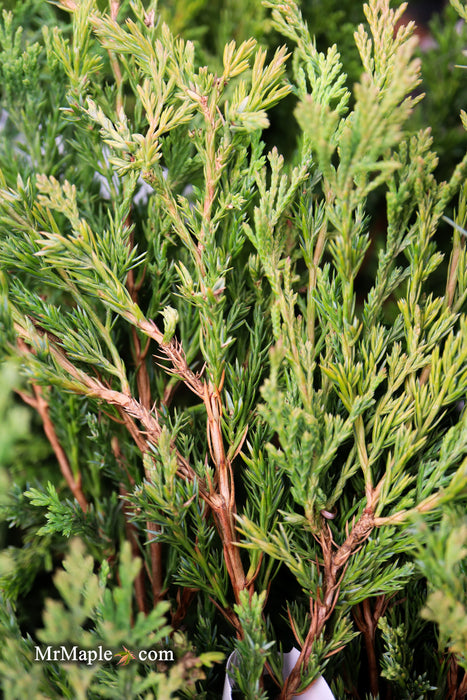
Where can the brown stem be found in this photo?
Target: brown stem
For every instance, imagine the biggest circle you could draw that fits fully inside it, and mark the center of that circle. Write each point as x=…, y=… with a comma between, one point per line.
x=169, y=392
x=212, y=170
x=224, y=521
x=220, y=499
x=229, y=615
x=126, y=405
x=334, y=563
x=156, y=565
x=136, y=434
x=185, y=597
x=114, y=8
x=42, y=407
x=132, y=536
x=462, y=691
x=116, y=70
x=223, y=502
x=115, y=445
x=173, y=351
x=144, y=390
x=130, y=528
x=142, y=376
x=456, y=690
x=369, y=637
x=452, y=275
x=312, y=275
x=425, y=374
x=155, y=548
x=366, y=620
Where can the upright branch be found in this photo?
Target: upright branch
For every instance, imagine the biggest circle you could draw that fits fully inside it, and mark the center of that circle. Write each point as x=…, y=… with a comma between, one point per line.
x=335, y=560
x=222, y=497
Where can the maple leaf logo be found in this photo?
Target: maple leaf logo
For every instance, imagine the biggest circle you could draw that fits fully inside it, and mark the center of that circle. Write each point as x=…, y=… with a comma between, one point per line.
x=126, y=655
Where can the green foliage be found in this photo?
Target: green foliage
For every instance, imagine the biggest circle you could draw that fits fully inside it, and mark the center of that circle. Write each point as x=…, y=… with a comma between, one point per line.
x=460, y=8
x=442, y=558
x=86, y=596
x=397, y=662
x=14, y=419
x=253, y=649
x=245, y=364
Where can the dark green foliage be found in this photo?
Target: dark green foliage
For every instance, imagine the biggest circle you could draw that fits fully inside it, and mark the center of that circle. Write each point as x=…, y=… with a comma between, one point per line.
x=250, y=365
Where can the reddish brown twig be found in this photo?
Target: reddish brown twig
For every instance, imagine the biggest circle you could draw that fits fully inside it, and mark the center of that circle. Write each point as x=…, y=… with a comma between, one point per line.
x=335, y=560
x=457, y=688
x=223, y=502
x=130, y=528
x=144, y=391
x=42, y=407
x=132, y=537
x=185, y=597
x=366, y=618
x=452, y=279
x=126, y=405
x=220, y=496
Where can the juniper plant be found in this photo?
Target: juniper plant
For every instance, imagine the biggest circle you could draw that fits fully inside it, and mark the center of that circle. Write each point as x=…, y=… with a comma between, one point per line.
x=216, y=387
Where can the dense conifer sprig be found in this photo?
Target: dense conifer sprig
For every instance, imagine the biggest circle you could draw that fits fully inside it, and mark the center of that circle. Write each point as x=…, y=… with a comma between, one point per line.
x=222, y=398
